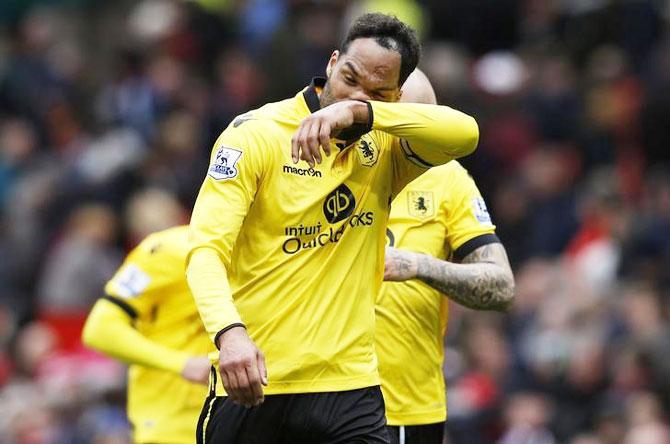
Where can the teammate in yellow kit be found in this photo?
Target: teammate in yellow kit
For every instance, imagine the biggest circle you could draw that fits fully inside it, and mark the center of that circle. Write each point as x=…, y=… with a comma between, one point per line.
x=289, y=256
x=441, y=242
x=148, y=319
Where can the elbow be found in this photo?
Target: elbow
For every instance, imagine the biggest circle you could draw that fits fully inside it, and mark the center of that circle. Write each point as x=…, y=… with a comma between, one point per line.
x=500, y=295
x=89, y=335
x=472, y=137
x=507, y=294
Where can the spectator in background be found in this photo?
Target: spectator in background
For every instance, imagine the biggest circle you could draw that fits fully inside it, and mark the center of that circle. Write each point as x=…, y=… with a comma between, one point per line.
x=151, y=210
x=527, y=420
x=586, y=439
x=81, y=261
x=475, y=398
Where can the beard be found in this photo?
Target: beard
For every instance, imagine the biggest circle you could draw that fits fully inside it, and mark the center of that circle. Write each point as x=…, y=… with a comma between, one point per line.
x=326, y=97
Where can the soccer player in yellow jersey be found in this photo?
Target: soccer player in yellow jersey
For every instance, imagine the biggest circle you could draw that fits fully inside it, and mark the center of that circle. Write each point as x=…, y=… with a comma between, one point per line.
x=441, y=242
x=148, y=319
x=287, y=257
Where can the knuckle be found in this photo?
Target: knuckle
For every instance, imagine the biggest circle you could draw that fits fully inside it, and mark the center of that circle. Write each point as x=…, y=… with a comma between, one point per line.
x=235, y=364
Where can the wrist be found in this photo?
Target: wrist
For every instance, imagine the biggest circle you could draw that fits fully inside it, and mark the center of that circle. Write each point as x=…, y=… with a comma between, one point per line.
x=422, y=265
x=416, y=259
x=362, y=112
x=183, y=362
x=232, y=329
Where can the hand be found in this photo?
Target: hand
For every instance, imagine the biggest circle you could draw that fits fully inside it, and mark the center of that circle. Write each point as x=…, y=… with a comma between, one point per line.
x=197, y=370
x=317, y=129
x=242, y=367
x=400, y=265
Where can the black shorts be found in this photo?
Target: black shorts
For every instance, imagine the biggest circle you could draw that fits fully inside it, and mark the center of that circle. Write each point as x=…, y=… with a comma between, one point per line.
x=419, y=434
x=350, y=417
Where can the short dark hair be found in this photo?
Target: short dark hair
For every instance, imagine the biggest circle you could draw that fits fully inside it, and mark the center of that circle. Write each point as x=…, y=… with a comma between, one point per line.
x=389, y=33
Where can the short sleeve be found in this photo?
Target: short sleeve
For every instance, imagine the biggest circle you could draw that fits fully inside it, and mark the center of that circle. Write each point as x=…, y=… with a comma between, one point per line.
x=143, y=278
x=468, y=222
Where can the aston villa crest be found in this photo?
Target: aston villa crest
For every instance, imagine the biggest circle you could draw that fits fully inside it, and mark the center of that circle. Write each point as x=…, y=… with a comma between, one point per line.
x=420, y=204
x=367, y=152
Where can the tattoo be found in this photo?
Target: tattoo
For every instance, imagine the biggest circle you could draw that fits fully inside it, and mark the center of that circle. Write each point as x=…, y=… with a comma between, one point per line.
x=482, y=281
x=400, y=261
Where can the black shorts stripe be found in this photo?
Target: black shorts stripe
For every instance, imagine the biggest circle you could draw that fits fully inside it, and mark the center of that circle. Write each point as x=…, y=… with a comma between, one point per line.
x=130, y=311
x=473, y=244
x=417, y=434
x=206, y=412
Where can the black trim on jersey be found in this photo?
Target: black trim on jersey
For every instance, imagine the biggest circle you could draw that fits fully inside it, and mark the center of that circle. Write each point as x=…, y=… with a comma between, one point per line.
x=371, y=117
x=473, y=244
x=412, y=156
x=130, y=311
x=310, y=95
x=223, y=330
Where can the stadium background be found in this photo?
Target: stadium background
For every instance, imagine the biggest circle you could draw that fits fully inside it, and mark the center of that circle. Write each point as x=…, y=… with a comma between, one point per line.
x=108, y=111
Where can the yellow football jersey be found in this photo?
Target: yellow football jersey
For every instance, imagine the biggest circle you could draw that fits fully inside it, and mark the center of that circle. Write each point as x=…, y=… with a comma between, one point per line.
x=151, y=286
x=303, y=248
x=441, y=214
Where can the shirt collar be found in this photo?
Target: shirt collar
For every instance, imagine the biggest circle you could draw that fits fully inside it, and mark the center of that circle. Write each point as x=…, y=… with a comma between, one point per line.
x=311, y=95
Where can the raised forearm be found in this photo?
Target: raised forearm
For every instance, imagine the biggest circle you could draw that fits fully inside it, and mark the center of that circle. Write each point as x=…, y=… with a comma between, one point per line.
x=485, y=282
x=436, y=134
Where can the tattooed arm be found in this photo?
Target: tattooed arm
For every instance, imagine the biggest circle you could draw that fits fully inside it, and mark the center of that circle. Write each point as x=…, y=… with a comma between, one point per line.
x=482, y=281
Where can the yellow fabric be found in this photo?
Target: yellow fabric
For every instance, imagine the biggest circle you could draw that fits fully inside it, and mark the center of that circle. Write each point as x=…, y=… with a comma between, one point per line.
x=302, y=249
x=435, y=214
x=109, y=329
x=162, y=406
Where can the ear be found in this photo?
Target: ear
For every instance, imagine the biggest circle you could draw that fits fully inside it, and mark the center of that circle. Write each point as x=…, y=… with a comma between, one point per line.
x=331, y=62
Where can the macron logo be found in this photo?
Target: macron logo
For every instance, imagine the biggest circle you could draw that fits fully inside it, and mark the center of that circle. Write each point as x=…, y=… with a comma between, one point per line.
x=310, y=172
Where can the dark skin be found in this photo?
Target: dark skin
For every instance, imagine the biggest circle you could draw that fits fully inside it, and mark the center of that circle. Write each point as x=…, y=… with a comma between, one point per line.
x=366, y=71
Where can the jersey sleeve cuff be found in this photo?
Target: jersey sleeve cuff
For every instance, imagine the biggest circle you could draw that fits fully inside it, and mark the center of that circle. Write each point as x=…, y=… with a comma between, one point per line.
x=468, y=247
x=371, y=117
x=127, y=308
x=225, y=329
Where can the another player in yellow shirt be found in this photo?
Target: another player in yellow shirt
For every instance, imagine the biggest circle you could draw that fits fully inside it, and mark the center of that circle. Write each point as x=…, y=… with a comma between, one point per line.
x=290, y=256
x=441, y=242
x=148, y=319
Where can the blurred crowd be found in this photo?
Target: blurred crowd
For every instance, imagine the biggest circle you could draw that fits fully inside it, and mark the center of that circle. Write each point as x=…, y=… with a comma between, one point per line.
x=108, y=110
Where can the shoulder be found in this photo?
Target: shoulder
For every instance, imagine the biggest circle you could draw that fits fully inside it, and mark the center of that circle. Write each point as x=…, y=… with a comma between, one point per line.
x=451, y=168
x=271, y=116
x=169, y=245
x=452, y=175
